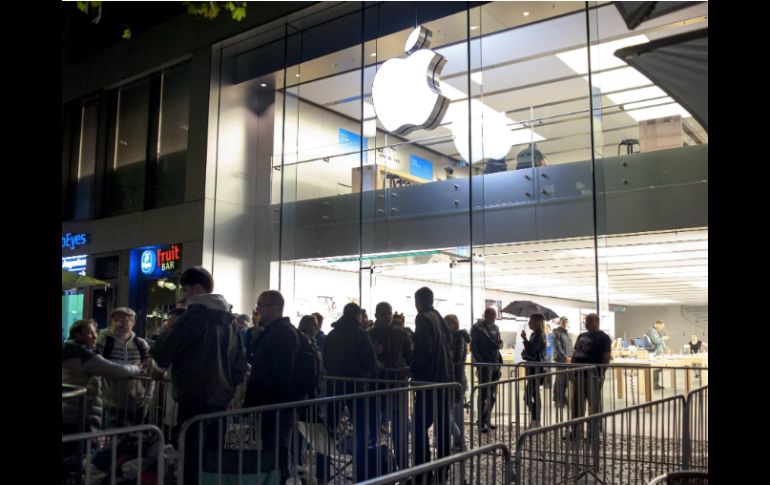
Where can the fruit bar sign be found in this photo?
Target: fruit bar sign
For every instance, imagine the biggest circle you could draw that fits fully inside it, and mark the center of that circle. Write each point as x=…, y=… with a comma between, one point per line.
x=159, y=261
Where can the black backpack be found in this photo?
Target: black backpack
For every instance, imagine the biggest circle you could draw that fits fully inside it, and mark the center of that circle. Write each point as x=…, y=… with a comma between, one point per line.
x=307, y=366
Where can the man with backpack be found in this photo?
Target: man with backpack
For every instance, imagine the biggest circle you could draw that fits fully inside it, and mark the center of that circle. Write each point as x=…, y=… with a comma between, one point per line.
x=125, y=400
x=205, y=350
x=273, y=376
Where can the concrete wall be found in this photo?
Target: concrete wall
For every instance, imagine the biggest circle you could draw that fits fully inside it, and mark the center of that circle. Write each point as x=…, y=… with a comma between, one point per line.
x=635, y=321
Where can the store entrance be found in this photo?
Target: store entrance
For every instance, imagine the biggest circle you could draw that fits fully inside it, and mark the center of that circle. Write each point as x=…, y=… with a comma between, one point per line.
x=156, y=298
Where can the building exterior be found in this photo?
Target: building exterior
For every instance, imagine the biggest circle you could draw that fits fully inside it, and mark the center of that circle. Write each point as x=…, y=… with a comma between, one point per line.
x=266, y=151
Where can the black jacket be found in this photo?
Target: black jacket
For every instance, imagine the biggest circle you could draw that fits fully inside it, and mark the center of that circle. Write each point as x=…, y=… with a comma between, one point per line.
x=272, y=366
x=483, y=346
x=460, y=340
x=348, y=352
x=205, y=349
x=392, y=346
x=432, y=359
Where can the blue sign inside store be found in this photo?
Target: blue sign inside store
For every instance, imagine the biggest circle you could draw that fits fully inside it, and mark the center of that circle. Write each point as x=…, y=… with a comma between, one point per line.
x=419, y=167
x=351, y=142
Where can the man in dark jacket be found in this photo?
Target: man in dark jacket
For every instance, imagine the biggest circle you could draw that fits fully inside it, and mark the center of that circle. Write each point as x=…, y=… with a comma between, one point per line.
x=204, y=347
x=432, y=362
x=392, y=344
x=562, y=353
x=349, y=353
x=272, y=375
x=485, y=348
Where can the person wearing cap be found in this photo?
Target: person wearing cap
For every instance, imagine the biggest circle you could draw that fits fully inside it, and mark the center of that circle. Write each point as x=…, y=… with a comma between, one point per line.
x=125, y=401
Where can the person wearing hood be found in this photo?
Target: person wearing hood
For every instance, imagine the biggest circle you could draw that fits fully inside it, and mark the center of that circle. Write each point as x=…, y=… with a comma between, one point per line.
x=125, y=401
x=204, y=347
x=273, y=356
x=349, y=353
x=485, y=348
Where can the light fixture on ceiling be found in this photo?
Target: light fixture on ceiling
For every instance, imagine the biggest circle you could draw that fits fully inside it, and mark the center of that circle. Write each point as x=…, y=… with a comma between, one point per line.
x=474, y=27
x=263, y=85
x=526, y=14
x=296, y=75
x=373, y=54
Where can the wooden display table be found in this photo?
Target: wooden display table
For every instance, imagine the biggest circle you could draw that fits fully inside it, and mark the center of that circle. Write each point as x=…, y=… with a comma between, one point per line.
x=689, y=362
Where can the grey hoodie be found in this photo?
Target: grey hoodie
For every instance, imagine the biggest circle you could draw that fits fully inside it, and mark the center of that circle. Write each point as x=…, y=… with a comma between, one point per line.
x=204, y=347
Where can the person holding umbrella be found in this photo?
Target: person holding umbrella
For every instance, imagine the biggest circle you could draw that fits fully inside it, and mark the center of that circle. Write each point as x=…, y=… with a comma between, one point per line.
x=534, y=351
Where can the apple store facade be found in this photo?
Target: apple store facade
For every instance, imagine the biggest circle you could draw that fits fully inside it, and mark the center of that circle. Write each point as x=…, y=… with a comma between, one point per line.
x=359, y=151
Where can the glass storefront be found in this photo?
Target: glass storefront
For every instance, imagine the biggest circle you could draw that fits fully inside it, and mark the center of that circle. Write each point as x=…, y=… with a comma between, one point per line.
x=542, y=173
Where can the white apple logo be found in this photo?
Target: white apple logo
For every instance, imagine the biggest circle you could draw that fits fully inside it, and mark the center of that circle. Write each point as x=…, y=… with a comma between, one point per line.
x=405, y=92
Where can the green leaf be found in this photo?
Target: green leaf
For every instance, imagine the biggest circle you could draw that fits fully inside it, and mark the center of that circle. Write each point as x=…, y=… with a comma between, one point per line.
x=96, y=4
x=239, y=13
x=230, y=6
x=127, y=33
x=83, y=7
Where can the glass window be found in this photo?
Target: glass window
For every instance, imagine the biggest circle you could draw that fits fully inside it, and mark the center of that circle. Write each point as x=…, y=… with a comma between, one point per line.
x=126, y=174
x=172, y=137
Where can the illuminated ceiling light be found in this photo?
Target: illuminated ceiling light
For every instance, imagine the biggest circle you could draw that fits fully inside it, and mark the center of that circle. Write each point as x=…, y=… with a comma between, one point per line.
x=373, y=54
x=296, y=75
x=476, y=77
x=474, y=27
x=526, y=14
x=263, y=85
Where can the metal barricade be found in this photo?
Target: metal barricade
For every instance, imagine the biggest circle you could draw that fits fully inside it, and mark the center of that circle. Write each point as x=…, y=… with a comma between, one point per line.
x=631, y=445
x=501, y=410
x=130, y=402
x=682, y=478
x=71, y=393
x=335, y=439
x=697, y=452
x=494, y=458
x=121, y=455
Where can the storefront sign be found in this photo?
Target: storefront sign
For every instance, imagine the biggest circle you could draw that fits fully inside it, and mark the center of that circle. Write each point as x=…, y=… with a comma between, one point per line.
x=158, y=261
x=71, y=241
x=75, y=264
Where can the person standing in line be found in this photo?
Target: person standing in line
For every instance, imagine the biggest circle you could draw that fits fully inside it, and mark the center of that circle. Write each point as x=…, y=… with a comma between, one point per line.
x=485, y=348
x=273, y=361
x=562, y=353
x=591, y=347
x=695, y=348
x=126, y=401
x=349, y=353
x=204, y=348
x=431, y=362
x=534, y=351
x=460, y=341
x=655, y=333
x=320, y=336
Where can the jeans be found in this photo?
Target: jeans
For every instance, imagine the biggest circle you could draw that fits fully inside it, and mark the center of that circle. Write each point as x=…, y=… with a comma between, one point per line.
x=458, y=415
x=431, y=408
x=488, y=394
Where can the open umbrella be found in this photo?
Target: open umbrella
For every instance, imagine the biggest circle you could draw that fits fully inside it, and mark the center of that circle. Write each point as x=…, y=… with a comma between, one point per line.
x=71, y=280
x=525, y=308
